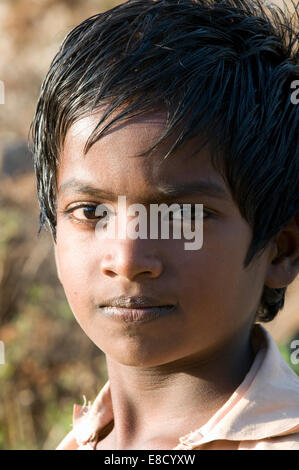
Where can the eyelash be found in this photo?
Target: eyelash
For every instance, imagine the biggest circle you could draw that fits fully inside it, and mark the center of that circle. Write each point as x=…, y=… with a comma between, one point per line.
x=68, y=214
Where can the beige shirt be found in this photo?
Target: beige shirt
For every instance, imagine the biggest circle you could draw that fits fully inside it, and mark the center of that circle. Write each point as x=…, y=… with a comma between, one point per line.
x=262, y=413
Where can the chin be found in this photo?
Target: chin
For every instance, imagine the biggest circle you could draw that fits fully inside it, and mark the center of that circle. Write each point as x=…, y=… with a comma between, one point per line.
x=137, y=357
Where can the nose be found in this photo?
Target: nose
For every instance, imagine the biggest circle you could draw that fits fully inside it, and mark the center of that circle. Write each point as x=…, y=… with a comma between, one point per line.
x=130, y=259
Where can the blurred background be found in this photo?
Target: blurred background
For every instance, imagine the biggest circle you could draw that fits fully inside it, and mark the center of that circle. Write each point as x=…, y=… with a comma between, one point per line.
x=49, y=361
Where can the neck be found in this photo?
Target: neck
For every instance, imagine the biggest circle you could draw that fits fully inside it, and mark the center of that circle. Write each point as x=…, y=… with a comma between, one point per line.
x=167, y=401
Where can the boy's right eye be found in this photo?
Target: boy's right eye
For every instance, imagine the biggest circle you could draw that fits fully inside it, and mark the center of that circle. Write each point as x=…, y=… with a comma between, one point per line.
x=86, y=213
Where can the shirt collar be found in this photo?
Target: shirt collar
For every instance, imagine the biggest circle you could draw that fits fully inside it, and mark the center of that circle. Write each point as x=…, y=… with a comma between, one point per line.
x=266, y=404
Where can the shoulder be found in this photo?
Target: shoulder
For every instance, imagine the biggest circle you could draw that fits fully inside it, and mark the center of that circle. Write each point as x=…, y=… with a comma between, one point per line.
x=69, y=442
x=89, y=422
x=287, y=442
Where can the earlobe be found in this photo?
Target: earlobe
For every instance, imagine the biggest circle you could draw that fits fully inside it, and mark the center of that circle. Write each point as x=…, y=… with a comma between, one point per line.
x=284, y=259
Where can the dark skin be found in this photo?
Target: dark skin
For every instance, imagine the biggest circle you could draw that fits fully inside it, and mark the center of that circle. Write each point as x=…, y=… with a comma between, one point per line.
x=170, y=375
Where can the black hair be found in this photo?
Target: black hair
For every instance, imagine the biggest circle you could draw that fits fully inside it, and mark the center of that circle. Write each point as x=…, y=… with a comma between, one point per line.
x=222, y=70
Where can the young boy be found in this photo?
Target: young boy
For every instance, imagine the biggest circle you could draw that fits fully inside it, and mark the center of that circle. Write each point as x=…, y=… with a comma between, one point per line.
x=177, y=102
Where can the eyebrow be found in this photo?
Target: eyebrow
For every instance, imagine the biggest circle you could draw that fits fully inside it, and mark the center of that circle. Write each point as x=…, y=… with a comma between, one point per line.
x=165, y=192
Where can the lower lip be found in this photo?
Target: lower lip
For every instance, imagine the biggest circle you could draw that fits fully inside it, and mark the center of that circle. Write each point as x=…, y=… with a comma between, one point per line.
x=137, y=315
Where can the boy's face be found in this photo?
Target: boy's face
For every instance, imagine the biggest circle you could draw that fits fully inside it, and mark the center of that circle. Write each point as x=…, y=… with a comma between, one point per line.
x=215, y=297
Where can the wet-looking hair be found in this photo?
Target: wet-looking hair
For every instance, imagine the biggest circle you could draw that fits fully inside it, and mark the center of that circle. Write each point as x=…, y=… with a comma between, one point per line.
x=223, y=70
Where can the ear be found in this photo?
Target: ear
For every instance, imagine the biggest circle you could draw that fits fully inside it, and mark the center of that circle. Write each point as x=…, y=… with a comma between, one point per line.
x=284, y=262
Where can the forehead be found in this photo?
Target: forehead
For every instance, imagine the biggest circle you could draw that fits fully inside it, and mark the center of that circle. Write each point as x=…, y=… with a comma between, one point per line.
x=114, y=161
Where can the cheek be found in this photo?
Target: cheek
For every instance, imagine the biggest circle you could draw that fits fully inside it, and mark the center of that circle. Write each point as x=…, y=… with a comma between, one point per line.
x=77, y=260
x=214, y=280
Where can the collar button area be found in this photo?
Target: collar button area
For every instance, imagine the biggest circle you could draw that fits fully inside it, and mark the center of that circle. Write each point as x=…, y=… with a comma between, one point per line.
x=192, y=438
